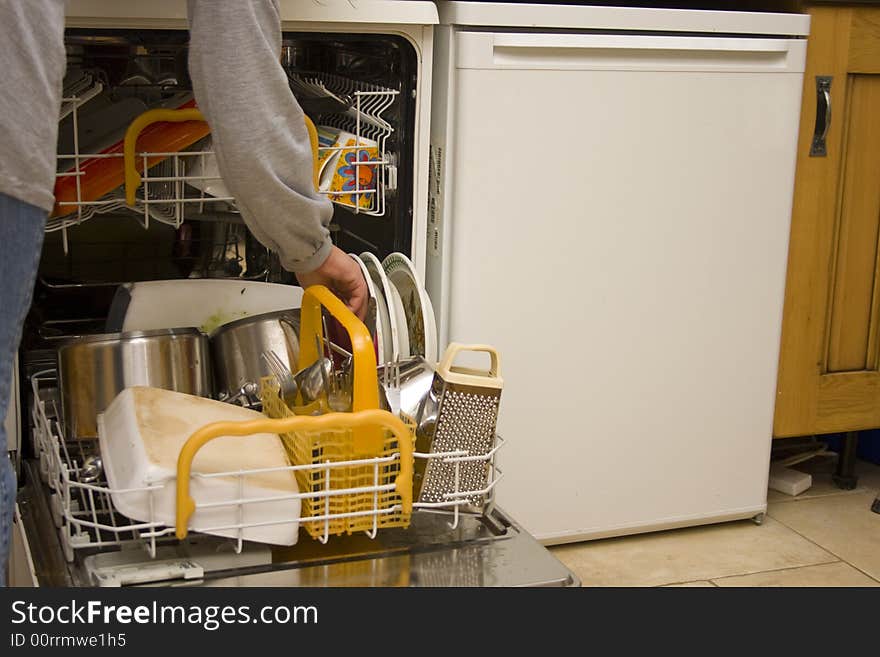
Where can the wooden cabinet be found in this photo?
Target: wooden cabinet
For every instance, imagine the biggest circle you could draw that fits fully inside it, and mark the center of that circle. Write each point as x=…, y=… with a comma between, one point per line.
x=829, y=369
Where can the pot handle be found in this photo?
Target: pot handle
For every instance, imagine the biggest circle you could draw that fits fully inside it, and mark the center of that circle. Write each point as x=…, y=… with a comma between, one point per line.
x=363, y=421
x=293, y=344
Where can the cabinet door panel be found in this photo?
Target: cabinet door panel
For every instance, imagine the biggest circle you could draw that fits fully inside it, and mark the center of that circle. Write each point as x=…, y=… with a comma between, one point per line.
x=853, y=304
x=864, y=52
x=828, y=371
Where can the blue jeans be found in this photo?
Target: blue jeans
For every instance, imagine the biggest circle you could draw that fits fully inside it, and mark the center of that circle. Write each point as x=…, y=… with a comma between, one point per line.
x=21, y=239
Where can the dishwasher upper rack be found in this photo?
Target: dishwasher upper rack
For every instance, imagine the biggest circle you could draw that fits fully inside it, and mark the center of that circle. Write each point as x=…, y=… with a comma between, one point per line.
x=84, y=514
x=173, y=190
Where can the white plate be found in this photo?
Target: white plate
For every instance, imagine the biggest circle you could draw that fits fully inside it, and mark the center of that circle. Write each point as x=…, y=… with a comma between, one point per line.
x=382, y=332
x=418, y=309
x=402, y=328
x=383, y=296
x=170, y=304
x=205, y=167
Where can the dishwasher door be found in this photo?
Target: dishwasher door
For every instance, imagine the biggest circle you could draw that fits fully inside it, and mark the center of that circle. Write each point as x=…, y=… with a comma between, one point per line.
x=21, y=570
x=612, y=212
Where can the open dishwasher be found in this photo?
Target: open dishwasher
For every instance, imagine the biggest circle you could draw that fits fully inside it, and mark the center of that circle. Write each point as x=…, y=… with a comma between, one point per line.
x=75, y=537
x=367, y=81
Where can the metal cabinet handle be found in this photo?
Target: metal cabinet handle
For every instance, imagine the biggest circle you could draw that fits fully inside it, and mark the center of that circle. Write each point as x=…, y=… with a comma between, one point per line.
x=823, y=116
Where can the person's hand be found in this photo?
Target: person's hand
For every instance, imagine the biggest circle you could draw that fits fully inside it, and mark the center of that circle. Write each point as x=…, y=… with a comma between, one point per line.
x=343, y=276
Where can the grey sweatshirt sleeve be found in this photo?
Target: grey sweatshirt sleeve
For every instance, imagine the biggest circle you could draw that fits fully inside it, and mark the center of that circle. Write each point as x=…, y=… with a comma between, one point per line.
x=32, y=65
x=259, y=135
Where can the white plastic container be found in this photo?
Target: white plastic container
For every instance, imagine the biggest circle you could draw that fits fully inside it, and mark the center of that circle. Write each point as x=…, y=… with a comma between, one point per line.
x=141, y=434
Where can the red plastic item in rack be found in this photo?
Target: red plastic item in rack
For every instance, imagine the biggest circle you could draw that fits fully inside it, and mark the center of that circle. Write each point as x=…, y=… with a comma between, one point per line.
x=100, y=175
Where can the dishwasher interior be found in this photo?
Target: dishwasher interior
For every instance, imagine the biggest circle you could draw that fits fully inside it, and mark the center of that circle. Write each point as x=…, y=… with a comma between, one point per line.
x=185, y=225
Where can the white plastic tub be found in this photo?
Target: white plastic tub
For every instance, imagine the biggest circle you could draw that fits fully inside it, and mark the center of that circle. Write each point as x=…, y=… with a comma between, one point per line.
x=141, y=434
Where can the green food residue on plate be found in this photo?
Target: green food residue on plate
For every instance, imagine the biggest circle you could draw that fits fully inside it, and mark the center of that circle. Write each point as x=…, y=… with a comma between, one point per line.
x=220, y=318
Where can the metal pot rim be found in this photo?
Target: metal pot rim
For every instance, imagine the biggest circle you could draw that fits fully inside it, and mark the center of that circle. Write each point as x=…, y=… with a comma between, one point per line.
x=131, y=335
x=251, y=319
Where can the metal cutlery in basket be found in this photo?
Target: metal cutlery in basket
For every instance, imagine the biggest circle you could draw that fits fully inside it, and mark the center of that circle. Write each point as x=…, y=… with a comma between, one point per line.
x=459, y=415
x=286, y=381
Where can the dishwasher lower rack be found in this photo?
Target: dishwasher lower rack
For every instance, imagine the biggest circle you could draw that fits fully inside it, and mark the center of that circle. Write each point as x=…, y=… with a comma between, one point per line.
x=87, y=521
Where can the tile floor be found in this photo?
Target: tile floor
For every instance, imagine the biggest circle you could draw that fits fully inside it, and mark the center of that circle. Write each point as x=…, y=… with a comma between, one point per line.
x=823, y=537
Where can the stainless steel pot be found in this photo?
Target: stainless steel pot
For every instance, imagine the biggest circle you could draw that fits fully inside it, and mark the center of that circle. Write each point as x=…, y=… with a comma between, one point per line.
x=94, y=369
x=238, y=348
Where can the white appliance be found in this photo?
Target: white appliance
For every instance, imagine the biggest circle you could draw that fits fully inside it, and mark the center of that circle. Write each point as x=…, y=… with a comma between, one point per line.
x=411, y=22
x=610, y=205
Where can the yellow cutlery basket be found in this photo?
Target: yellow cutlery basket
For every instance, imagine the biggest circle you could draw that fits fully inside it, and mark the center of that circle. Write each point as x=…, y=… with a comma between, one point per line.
x=363, y=468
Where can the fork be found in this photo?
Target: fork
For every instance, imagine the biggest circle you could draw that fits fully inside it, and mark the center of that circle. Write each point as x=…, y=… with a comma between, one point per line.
x=283, y=375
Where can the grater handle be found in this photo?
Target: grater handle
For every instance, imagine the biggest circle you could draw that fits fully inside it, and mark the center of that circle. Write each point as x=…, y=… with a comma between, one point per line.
x=469, y=376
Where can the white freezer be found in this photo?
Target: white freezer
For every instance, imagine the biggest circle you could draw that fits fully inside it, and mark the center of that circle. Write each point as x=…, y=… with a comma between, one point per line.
x=612, y=211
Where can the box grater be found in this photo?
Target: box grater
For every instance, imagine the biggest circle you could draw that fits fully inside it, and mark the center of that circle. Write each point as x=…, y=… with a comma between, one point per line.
x=459, y=413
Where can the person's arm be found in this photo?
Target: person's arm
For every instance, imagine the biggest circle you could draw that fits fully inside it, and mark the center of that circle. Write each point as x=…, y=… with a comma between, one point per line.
x=261, y=142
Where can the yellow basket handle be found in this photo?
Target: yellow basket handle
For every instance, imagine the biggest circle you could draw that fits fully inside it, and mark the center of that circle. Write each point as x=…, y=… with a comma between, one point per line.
x=313, y=142
x=132, y=177
x=365, y=392
x=376, y=419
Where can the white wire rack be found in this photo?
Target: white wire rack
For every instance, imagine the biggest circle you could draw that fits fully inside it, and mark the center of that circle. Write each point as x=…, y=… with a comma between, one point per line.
x=175, y=189
x=363, y=117
x=86, y=518
x=456, y=498
x=82, y=510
